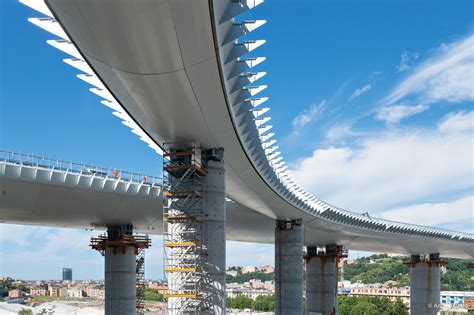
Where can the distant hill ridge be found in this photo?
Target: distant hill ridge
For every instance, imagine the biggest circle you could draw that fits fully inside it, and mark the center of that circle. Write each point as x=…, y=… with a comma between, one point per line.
x=458, y=274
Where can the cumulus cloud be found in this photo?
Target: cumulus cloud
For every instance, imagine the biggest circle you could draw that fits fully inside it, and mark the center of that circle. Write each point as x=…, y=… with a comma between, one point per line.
x=358, y=92
x=393, y=114
x=446, y=76
x=436, y=213
x=407, y=60
x=309, y=115
x=392, y=168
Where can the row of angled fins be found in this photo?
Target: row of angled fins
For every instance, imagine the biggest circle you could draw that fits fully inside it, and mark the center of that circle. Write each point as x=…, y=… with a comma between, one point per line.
x=242, y=94
x=78, y=179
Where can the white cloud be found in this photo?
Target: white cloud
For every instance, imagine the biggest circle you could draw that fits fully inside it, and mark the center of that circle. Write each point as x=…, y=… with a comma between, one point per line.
x=447, y=76
x=358, y=92
x=460, y=121
x=55, y=248
x=391, y=169
x=340, y=131
x=249, y=254
x=309, y=115
x=50, y=248
x=453, y=213
x=407, y=60
x=395, y=113
x=374, y=75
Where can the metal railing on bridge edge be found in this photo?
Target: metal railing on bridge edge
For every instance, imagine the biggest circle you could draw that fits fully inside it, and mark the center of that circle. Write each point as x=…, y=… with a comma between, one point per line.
x=31, y=160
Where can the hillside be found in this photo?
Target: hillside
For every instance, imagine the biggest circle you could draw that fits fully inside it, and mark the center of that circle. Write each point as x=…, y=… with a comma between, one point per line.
x=381, y=268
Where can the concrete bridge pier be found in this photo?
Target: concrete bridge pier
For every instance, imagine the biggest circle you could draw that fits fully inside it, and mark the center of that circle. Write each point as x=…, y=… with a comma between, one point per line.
x=120, y=273
x=289, y=239
x=425, y=284
x=214, y=237
x=321, y=280
x=119, y=248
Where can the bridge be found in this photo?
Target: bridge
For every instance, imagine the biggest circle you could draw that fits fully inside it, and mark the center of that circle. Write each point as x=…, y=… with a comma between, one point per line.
x=180, y=78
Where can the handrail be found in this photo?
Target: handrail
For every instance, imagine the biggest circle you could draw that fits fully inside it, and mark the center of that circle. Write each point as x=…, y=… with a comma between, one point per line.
x=31, y=160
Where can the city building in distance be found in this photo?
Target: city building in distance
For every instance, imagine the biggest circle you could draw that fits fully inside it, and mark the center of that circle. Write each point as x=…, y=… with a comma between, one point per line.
x=67, y=274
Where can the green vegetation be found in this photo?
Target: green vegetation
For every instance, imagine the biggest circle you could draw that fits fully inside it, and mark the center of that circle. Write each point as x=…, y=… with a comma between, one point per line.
x=347, y=305
x=370, y=306
x=382, y=270
x=241, y=278
x=25, y=312
x=264, y=303
x=261, y=303
x=8, y=286
x=457, y=276
x=152, y=295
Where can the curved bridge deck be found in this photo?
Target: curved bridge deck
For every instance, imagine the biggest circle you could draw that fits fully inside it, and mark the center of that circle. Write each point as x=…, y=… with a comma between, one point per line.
x=182, y=72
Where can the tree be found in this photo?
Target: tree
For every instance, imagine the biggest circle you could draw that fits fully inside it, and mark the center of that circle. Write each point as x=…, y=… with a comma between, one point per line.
x=364, y=308
x=347, y=303
x=241, y=278
x=399, y=308
x=367, y=305
x=240, y=302
x=457, y=276
x=264, y=303
x=152, y=295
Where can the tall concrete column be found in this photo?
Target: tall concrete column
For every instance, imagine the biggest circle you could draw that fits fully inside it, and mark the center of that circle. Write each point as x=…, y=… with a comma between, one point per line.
x=214, y=236
x=289, y=240
x=321, y=280
x=120, y=275
x=425, y=284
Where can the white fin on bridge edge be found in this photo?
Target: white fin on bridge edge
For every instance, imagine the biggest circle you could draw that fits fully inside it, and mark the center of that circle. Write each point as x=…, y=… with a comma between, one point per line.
x=64, y=44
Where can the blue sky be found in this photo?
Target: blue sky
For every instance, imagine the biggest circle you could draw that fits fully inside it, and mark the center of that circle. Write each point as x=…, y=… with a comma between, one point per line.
x=372, y=105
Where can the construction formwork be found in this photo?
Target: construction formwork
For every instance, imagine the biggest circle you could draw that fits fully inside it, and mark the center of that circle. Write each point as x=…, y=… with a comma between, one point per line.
x=120, y=241
x=425, y=283
x=183, y=174
x=321, y=278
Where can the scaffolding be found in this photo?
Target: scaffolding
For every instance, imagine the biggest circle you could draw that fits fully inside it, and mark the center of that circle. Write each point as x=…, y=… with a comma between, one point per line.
x=119, y=243
x=141, y=283
x=183, y=171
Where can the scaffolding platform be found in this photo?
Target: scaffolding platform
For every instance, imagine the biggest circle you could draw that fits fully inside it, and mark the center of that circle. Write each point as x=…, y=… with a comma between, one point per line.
x=180, y=244
x=102, y=242
x=180, y=269
x=182, y=218
x=182, y=295
x=184, y=193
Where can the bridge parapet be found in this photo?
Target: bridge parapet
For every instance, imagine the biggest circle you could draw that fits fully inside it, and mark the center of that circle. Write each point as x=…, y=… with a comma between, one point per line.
x=44, y=169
